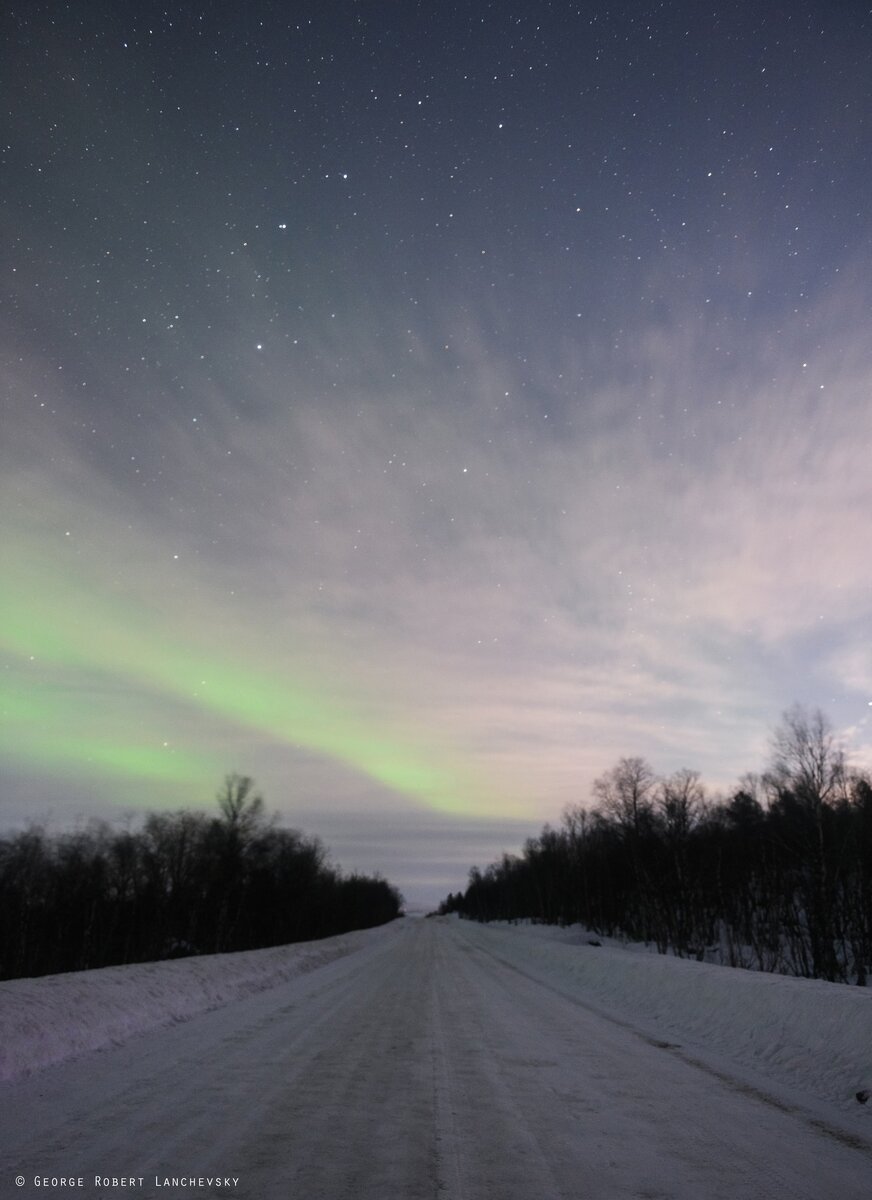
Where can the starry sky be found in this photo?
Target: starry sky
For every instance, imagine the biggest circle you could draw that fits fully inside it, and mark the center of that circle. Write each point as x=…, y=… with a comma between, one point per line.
x=419, y=406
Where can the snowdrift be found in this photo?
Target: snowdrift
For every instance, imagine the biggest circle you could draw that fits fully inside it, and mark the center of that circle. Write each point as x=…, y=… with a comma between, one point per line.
x=809, y=1036
x=56, y=1017
x=812, y=1036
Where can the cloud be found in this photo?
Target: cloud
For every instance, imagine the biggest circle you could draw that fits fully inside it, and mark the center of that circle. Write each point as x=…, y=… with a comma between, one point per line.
x=521, y=569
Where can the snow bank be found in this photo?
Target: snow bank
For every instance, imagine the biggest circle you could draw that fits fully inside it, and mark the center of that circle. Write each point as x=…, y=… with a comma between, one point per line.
x=810, y=1035
x=56, y=1017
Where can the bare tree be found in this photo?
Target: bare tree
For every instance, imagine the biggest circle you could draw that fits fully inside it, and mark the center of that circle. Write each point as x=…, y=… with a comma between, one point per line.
x=806, y=758
x=807, y=774
x=624, y=794
x=680, y=801
x=624, y=791
x=241, y=810
x=680, y=805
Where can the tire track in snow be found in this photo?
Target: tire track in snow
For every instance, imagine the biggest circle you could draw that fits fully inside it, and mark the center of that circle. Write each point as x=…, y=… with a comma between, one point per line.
x=757, y=1091
x=421, y=1067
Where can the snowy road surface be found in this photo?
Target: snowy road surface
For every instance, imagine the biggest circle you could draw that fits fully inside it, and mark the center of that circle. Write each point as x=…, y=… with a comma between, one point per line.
x=421, y=1066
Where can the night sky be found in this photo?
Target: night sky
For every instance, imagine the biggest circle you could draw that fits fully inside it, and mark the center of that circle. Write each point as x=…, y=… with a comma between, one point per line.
x=419, y=406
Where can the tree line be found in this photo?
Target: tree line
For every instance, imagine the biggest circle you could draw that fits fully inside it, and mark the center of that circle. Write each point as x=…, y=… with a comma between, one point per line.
x=777, y=876
x=185, y=883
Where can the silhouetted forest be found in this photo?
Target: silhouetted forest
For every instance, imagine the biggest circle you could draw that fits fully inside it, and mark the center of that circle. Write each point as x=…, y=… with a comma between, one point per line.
x=778, y=876
x=185, y=883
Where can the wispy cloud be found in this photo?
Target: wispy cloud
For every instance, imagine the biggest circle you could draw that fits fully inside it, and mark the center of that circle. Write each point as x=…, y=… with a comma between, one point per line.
x=505, y=575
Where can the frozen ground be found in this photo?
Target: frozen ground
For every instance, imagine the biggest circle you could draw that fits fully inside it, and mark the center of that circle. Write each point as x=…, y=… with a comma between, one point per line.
x=439, y=1058
x=812, y=1035
x=57, y=1017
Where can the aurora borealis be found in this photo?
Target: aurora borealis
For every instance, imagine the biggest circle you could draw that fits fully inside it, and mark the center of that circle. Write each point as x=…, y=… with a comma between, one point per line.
x=77, y=635
x=418, y=407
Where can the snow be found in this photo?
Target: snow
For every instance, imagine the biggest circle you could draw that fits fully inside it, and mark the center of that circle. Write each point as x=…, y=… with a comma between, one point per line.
x=438, y=1057
x=53, y=1018
x=812, y=1035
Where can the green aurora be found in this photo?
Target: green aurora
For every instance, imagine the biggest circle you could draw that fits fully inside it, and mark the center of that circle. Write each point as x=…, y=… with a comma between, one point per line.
x=59, y=634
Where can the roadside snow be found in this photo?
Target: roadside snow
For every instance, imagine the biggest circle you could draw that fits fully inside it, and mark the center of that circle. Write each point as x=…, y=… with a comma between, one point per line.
x=808, y=1034
x=57, y=1017
x=424, y=1065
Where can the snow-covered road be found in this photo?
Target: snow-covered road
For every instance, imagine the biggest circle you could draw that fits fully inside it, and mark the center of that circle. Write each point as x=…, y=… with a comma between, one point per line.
x=424, y=1064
